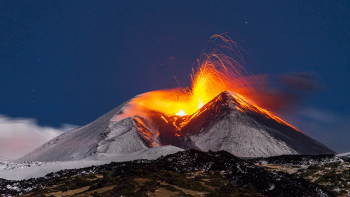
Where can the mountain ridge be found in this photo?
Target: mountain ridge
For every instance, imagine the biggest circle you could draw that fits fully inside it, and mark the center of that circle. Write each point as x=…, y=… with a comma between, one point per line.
x=226, y=123
x=90, y=139
x=240, y=130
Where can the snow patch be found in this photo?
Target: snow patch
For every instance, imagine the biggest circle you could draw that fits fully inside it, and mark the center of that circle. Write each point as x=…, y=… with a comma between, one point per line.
x=42, y=168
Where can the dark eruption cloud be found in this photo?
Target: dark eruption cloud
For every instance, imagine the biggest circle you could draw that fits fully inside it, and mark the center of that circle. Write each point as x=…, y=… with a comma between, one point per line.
x=302, y=82
x=286, y=92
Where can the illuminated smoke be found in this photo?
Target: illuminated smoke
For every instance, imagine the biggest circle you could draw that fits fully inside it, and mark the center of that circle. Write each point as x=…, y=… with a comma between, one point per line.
x=220, y=68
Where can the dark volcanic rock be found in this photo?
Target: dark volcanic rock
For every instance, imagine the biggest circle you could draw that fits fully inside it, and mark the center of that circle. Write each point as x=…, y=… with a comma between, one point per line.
x=239, y=172
x=242, y=173
x=297, y=160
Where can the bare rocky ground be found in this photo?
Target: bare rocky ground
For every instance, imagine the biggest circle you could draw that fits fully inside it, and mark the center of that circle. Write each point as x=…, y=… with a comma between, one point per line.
x=186, y=173
x=144, y=182
x=335, y=177
x=330, y=172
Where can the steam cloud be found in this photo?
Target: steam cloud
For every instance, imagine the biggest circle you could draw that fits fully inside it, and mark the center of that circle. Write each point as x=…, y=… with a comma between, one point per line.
x=19, y=136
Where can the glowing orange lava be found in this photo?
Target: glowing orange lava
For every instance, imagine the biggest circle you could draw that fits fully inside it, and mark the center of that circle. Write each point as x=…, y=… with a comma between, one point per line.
x=217, y=71
x=181, y=113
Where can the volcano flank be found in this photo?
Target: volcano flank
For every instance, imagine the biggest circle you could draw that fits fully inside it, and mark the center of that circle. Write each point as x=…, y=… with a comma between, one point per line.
x=225, y=123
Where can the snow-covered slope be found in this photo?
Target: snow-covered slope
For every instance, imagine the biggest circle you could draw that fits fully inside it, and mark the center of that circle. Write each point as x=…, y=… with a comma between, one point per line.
x=3, y=159
x=19, y=171
x=227, y=124
x=100, y=136
x=344, y=154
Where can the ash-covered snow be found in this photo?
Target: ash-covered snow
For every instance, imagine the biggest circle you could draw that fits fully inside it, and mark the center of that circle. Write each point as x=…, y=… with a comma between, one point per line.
x=27, y=164
x=298, y=160
x=344, y=154
x=26, y=170
x=219, y=125
x=345, y=157
x=100, y=136
x=120, y=137
x=3, y=159
x=233, y=134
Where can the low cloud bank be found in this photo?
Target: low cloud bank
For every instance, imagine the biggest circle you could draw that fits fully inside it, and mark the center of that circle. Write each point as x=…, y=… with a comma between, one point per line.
x=19, y=136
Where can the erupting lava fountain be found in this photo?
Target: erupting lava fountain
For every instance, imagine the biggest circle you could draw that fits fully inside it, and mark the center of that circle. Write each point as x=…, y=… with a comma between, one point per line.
x=225, y=109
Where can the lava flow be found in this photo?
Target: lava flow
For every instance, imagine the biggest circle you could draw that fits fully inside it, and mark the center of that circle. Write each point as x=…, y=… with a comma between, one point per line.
x=217, y=71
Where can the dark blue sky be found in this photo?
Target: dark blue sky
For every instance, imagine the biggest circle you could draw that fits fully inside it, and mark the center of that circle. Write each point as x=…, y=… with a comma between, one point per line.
x=73, y=61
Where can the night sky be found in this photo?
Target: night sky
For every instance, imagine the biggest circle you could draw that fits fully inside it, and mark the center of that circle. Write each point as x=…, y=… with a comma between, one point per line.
x=69, y=62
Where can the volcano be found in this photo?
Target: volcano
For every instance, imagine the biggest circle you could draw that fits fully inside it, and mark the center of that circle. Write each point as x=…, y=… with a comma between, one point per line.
x=231, y=124
x=225, y=123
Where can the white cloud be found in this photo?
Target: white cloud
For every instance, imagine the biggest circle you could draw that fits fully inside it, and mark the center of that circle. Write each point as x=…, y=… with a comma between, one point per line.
x=19, y=136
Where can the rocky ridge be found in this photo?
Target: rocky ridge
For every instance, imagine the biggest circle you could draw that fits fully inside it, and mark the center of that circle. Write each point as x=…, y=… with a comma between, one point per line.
x=238, y=172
